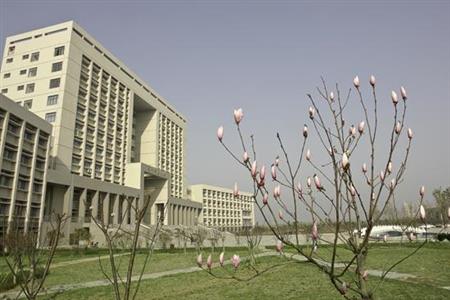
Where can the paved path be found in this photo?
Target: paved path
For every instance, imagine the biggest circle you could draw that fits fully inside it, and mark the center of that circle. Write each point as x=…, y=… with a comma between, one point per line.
x=82, y=260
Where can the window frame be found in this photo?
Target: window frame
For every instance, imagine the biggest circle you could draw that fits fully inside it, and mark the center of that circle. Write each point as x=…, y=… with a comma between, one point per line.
x=53, y=115
x=54, y=80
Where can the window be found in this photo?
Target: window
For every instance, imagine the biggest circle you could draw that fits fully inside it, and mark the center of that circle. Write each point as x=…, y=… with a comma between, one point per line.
x=26, y=56
x=52, y=100
x=28, y=103
x=30, y=88
x=4, y=91
x=57, y=66
x=32, y=72
x=9, y=60
x=22, y=184
x=23, y=72
x=20, y=87
x=59, y=51
x=50, y=117
x=54, y=83
x=11, y=50
x=6, y=75
x=34, y=56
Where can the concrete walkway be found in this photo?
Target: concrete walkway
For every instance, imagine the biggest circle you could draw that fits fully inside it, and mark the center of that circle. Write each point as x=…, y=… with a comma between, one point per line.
x=82, y=260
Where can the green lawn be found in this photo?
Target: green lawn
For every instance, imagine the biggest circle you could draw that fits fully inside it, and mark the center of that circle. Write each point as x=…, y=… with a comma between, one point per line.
x=292, y=281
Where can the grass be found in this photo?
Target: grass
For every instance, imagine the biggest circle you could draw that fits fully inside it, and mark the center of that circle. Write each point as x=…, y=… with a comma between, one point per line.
x=292, y=281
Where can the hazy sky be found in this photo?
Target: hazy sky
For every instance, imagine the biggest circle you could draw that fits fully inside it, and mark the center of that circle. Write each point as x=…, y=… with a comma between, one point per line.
x=209, y=57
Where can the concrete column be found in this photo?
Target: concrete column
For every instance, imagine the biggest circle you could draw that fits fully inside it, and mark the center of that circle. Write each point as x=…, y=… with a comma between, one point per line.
x=94, y=211
x=68, y=201
x=106, y=209
x=124, y=210
x=82, y=206
x=133, y=206
x=116, y=209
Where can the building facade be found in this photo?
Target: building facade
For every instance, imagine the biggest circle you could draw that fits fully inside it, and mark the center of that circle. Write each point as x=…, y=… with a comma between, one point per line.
x=24, y=148
x=115, y=141
x=223, y=210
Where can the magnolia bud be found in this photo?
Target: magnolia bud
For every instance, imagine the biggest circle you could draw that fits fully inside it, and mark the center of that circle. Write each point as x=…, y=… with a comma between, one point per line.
x=277, y=161
x=356, y=82
x=331, y=96
x=372, y=80
x=352, y=191
x=389, y=168
x=344, y=288
x=385, y=238
x=235, y=190
x=398, y=127
x=254, y=169
x=277, y=191
x=279, y=247
x=330, y=151
x=364, y=168
x=221, y=259
x=422, y=191
x=365, y=275
x=312, y=112
x=393, y=183
x=265, y=199
x=308, y=155
x=238, y=115
x=422, y=213
x=220, y=133
x=199, y=260
x=345, y=161
x=394, y=97
x=299, y=188
x=381, y=175
x=403, y=93
x=308, y=182
x=305, y=131
x=245, y=157
x=410, y=133
x=235, y=261
x=262, y=172
x=314, y=231
x=352, y=130
x=361, y=127
x=209, y=262
x=274, y=172
x=280, y=215
x=317, y=182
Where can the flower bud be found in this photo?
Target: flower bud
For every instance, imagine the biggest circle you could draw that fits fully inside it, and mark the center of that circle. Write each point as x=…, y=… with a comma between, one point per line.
x=220, y=133
x=365, y=275
x=277, y=161
x=393, y=183
x=389, y=168
x=364, y=168
x=199, y=260
x=422, y=191
x=299, y=188
x=254, y=169
x=385, y=238
x=361, y=127
x=345, y=161
x=352, y=130
x=235, y=190
x=331, y=96
x=312, y=112
x=245, y=157
x=422, y=213
x=262, y=173
x=209, y=262
x=274, y=172
x=221, y=259
x=308, y=155
x=280, y=215
x=410, y=133
x=398, y=127
x=356, y=82
x=265, y=199
x=277, y=191
x=279, y=246
x=305, y=131
x=308, y=182
x=403, y=93
x=317, y=182
x=344, y=288
x=235, y=261
x=394, y=97
x=352, y=190
x=238, y=115
x=372, y=80
x=314, y=232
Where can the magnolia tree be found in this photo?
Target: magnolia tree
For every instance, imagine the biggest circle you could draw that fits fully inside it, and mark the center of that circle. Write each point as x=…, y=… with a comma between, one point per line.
x=350, y=198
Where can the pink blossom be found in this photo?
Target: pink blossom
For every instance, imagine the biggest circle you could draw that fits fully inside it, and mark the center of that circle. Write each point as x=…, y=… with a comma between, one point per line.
x=254, y=169
x=422, y=191
x=221, y=259
x=235, y=190
x=209, y=262
x=238, y=115
x=365, y=275
x=245, y=157
x=372, y=80
x=273, y=171
x=235, y=261
x=403, y=93
x=331, y=96
x=308, y=155
x=279, y=246
x=308, y=182
x=356, y=82
x=199, y=260
x=262, y=173
x=394, y=97
x=381, y=175
x=305, y=131
x=389, y=168
x=352, y=191
x=398, y=127
x=422, y=213
x=220, y=133
x=352, y=130
x=277, y=161
x=410, y=133
x=280, y=215
x=299, y=188
x=361, y=127
x=314, y=232
x=312, y=112
x=265, y=199
x=393, y=183
x=317, y=182
x=277, y=191
x=364, y=168
x=345, y=160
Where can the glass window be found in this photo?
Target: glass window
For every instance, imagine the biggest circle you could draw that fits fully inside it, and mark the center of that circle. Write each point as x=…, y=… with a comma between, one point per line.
x=30, y=88
x=4, y=91
x=54, y=83
x=34, y=56
x=9, y=60
x=28, y=103
x=57, y=66
x=52, y=100
x=32, y=72
x=20, y=87
x=11, y=50
x=50, y=117
x=59, y=51
x=23, y=72
x=6, y=75
x=26, y=56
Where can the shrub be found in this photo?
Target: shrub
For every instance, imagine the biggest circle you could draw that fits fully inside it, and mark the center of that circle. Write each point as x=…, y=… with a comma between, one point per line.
x=441, y=237
x=7, y=278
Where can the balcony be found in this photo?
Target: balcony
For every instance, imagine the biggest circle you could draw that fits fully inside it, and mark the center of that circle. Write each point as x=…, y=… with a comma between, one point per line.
x=21, y=195
x=28, y=145
x=12, y=139
x=8, y=164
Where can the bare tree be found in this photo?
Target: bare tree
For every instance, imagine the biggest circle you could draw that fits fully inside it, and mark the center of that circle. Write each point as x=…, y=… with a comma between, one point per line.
x=123, y=287
x=442, y=198
x=28, y=263
x=338, y=194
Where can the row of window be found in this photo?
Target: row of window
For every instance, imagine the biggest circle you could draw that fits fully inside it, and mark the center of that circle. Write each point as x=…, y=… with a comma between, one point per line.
x=51, y=100
x=34, y=56
x=32, y=72
x=29, y=88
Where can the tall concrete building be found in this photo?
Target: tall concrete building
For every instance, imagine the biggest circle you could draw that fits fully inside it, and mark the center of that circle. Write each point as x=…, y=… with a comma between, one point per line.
x=24, y=140
x=223, y=210
x=114, y=138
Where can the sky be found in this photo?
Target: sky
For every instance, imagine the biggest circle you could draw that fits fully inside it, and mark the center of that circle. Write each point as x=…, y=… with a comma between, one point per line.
x=210, y=57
